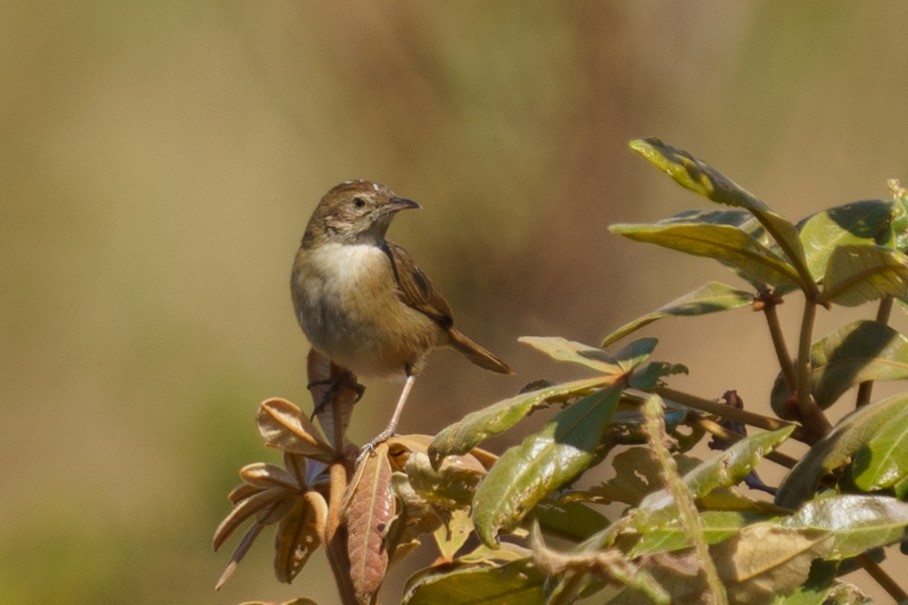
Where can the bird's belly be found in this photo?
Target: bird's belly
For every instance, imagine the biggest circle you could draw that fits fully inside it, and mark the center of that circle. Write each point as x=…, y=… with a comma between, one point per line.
x=351, y=313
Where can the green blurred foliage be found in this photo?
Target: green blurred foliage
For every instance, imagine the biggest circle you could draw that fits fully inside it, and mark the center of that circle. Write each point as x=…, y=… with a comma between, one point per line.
x=158, y=162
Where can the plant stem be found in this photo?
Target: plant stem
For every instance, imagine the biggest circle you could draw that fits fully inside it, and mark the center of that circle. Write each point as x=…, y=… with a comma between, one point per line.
x=778, y=342
x=335, y=539
x=882, y=316
x=335, y=536
x=812, y=416
x=726, y=411
x=882, y=578
x=733, y=436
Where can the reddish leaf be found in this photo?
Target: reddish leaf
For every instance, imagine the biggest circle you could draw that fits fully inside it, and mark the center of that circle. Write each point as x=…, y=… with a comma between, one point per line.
x=368, y=511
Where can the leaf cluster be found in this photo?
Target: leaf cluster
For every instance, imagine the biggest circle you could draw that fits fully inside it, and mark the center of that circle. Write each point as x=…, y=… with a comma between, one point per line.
x=691, y=531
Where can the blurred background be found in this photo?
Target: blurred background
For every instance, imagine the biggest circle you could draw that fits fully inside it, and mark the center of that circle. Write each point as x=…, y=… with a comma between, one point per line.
x=159, y=161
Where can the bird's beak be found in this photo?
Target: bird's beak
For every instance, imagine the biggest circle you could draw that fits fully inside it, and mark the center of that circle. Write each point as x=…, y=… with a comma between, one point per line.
x=399, y=203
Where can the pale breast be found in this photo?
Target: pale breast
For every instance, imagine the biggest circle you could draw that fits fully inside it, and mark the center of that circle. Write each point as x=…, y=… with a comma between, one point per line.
x=348, y=305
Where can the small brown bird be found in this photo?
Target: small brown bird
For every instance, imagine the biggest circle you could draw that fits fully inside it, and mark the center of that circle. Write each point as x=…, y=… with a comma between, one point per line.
x=361, y=300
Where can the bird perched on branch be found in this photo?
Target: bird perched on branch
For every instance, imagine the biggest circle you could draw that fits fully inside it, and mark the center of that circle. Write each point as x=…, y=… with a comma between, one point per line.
x=362, y=301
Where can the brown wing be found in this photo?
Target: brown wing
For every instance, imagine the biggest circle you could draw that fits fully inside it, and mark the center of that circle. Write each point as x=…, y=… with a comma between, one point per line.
x=415, y=289
x=418, y=291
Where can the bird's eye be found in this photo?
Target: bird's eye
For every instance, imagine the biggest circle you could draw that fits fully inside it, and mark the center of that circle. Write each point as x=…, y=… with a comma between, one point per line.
x=359, y=202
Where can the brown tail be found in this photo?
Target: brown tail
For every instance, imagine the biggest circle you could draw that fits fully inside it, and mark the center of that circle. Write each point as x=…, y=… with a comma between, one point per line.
x=477, y=353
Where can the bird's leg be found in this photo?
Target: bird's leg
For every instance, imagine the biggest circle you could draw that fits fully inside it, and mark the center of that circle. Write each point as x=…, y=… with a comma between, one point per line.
x=369, y=447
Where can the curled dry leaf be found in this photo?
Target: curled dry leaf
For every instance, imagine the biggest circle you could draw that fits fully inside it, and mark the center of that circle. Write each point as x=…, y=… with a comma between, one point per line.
x=271, y=494
x=299, y=535
x=452, y=484
x=400, y=447
x=283, y=426
x=263, y=476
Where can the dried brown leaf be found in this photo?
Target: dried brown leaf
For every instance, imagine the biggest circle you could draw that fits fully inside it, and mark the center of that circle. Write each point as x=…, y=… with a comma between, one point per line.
x=265, y=476
x=679, y=574
x=610, y=564
x=238, y=554
x=259, y=504
x=298, y=466
x=764, y=559
x=299, y=534
x=283, y=426
x=368, y=512
x=400, y=447
x=241, y=492
x=334, y=391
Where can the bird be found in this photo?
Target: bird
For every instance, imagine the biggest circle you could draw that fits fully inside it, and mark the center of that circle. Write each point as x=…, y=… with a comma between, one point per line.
x=361, y=300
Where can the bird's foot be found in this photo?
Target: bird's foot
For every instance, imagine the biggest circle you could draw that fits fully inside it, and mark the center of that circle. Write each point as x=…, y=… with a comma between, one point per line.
x=368, y=448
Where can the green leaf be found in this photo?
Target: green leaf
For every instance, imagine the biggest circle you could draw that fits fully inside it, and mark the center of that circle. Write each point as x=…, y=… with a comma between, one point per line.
x=699, y=177
x=545, y=461
x=453, y=533
x=816, y=589
x=858, y=352
x=716, y=525
x=866, y=222
x=859, y=274
x=835, y=449
x=574, y=352
x=883, y=461
x=839, y=593
x=636, y=474
x=855, y=523
x=514, y=582
x=710, y=298
x=650, y=375
x=464, y=435
x=736, y=218
x=571, y=520
x=729, y=245
x=566, y=350
x=724, y=470
x=449, y=486
x=634, y=354
x=695, y=174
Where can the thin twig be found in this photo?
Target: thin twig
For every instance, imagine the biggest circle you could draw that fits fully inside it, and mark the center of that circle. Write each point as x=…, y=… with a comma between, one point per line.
x=882, y=578
x=778, y=342
x=733, y=436
x=712, y=407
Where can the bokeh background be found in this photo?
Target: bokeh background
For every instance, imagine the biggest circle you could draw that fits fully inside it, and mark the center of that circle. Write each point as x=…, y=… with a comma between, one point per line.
x=159, y=160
